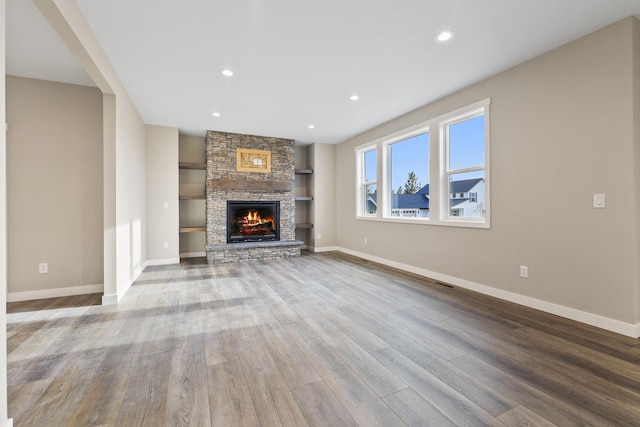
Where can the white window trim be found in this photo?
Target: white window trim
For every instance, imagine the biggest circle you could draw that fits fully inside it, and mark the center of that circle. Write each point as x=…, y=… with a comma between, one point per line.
x=439, y=211
x=361, y=184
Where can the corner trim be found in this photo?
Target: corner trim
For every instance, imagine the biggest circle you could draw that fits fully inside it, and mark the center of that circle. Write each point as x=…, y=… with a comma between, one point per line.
x=165, y=261
x=109, y=299
x=54, y=293
x=612, y=325
x=9, y=423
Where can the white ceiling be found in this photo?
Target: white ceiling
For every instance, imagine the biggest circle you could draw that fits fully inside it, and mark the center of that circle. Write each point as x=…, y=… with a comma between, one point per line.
x=297, y=62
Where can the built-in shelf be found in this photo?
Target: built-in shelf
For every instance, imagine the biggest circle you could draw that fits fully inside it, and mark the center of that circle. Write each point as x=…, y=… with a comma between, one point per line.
x=304, y=171
x=303, y=198
x=192, y=229
x=190, y=165
x=304, y=225
x=193, y=197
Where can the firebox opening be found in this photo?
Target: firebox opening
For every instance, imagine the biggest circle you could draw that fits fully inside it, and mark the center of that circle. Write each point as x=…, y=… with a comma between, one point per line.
x=253, y=221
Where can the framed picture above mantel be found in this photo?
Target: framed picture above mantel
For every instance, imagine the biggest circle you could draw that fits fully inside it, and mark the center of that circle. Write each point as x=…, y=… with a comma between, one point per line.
x=248, y=160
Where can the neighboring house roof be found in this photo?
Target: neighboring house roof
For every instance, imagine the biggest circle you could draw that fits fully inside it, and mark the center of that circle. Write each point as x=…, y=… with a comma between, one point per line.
x=456, y=202
x=372, y=202
x=461, y=186
x=464, y=185
x=410, y=201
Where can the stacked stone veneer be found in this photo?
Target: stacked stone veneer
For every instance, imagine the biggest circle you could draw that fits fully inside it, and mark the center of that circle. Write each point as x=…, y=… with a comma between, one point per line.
x=221, y=165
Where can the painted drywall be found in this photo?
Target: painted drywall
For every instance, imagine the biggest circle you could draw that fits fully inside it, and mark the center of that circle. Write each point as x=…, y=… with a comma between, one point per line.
x=54, y=175
x=322, y=183
x=562, y=129
x=130, y=195
x=3, y=228
x=636, y=144
x=124, y=152
x=192, y=182
x=162, y=194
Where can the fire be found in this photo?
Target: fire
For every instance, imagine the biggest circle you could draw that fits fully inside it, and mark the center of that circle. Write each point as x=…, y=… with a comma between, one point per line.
x=253, y=218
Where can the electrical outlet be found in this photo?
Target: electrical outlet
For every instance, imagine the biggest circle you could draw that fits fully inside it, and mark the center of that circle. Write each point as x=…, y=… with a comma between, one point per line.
x=319, y=236
x=365, y=241
x=165, y=205
x=43, y=268
x=524, y=271
x=166, y=245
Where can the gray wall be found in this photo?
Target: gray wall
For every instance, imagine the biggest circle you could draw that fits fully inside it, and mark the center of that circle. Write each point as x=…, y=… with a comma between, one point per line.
x=162, y=194
x=55, y=188
x=562, y=129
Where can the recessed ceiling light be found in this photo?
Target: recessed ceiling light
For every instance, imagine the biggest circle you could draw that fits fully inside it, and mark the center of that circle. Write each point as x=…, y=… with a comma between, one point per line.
x=215, y=114
x=311, y=127
x=227, y=72
x=354, y=97
x=445, y=35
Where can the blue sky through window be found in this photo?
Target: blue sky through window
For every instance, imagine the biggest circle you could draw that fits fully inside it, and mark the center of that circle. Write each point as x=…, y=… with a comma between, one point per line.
x=410, y=155
x=466, y=143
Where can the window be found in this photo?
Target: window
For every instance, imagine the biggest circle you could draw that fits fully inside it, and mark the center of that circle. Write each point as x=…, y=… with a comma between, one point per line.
x=369, y=188
x=409, y=176
x=404, y=165
x=465, y=151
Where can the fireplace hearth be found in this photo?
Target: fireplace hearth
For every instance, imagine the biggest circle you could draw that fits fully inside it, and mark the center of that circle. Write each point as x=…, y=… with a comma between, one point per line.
x=253, y=221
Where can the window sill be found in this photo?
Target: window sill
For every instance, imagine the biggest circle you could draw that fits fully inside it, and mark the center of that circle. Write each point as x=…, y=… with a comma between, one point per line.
x=427, y=221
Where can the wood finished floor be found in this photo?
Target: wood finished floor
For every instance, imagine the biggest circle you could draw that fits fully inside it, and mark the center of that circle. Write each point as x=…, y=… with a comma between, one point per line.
x=320, y=340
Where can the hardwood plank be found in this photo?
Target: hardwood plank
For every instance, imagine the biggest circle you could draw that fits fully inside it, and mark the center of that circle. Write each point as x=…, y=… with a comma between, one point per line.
x=415, y=411
x=292, y=365
x=230, y=402
x=559, y=412
x=320, y=406
x=447, y=400
x=362, y=403
x=271, y=397
x=376, y=376
x=523, y=417
x=316, y=339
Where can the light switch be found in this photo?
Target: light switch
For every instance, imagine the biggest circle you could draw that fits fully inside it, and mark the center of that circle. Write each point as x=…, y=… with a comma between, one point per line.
x=165, y=205
x=599, y=201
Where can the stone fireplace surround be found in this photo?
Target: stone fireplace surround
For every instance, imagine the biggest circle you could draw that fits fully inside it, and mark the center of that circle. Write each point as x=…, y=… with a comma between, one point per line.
x=225, y=183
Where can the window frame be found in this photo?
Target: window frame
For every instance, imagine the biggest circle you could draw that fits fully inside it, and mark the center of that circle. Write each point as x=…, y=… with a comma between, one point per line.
x=439, y=208
x=362, y=182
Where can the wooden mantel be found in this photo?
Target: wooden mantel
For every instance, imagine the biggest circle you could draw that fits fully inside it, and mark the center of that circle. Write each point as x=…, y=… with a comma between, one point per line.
x=251, y=185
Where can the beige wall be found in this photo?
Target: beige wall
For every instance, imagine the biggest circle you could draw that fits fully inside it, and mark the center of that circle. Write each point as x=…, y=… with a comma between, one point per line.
x=322, y=159
x=3, y=228
x=162, y=194
x=562, y=128
x=54, y=185
x=636, y=140
x=123, y=152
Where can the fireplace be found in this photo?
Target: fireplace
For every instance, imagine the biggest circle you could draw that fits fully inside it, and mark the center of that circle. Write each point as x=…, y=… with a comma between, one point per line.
x=253, y=221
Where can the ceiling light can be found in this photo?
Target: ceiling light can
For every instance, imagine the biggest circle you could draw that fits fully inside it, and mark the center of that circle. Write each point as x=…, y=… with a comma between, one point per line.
x=445, y=35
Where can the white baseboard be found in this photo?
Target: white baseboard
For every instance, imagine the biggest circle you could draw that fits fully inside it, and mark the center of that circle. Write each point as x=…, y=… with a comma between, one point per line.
x=165, y=261
x=628, y=329
x=325, y=249
x=193, y=254
x=109, y=299
x=54, y=293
